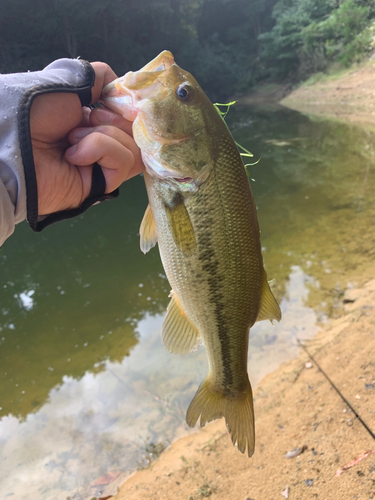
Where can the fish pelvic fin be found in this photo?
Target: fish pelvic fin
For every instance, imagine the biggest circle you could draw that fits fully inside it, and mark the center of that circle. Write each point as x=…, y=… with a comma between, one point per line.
x=269, y=308
x=238, y=412
x=147, y=231
x=179, y=335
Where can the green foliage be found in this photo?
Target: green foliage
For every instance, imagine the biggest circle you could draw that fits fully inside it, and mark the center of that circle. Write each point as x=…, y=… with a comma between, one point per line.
x=341, y=37
x=282, y=45
x=229, y=45
x=215, y=39
x=310, y=35
x=345, y=40
x=284, y=40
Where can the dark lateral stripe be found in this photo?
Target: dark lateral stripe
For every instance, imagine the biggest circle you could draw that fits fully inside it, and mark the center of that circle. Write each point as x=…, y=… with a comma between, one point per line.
x=211, y=266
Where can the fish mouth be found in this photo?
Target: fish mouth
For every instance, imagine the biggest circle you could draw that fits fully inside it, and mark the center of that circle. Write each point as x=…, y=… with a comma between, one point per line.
x=125, y=94
x=118, y=98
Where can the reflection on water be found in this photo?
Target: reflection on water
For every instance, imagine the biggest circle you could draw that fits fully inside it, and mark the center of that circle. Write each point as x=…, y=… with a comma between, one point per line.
x=314, y=191
x=86, y=383
x=102, y=421
x=99, y=422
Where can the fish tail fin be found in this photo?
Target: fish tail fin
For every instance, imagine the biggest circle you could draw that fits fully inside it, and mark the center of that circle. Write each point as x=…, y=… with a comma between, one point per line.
x=238, y=412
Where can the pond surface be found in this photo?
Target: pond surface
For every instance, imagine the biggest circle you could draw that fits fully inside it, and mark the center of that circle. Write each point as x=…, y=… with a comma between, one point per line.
x=87, y=390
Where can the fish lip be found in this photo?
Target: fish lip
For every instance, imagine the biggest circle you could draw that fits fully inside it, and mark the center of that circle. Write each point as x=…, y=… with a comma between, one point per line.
x=117, y=97
x=117, y=84
x=127, y=93
x=164, y=60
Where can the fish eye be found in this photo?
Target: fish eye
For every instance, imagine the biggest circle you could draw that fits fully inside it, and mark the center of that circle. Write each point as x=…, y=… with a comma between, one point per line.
x=183, y=92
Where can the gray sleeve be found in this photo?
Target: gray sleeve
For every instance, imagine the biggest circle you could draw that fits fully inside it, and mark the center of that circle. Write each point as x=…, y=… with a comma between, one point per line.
x=18, y=189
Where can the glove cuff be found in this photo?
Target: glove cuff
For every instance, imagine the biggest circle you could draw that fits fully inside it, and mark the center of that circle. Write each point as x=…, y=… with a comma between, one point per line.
x=83, y=90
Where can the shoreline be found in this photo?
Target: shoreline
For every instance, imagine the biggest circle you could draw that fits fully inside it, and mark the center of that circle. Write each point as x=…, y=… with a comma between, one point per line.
x=295, y=407
x=348, y=96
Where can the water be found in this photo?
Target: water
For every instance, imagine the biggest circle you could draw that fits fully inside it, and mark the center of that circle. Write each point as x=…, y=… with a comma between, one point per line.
x=87, y=388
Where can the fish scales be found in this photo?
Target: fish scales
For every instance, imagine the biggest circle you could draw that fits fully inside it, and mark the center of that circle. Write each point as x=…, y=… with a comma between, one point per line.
x=215, y=283
x=203, y=216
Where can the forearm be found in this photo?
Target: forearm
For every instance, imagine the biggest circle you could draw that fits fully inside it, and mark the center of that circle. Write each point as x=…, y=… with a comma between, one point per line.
x=12, y=178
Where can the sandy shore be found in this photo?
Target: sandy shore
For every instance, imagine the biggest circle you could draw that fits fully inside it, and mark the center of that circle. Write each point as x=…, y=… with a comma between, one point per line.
x=349, y=97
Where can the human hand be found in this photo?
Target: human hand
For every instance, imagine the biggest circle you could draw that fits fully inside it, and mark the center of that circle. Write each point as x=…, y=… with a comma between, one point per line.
x=68, y=139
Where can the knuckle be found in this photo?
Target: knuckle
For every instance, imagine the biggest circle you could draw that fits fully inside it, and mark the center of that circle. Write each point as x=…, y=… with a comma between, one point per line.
x=97, y=139
x=100, y=66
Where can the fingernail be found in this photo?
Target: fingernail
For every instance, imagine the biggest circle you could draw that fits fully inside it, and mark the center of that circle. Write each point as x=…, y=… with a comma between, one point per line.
x=82, y=132
x=71, y=150
x=104, y=116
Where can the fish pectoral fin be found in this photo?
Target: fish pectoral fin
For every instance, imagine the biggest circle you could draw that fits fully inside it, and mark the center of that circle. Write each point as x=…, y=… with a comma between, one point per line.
x=179, y=335
x=182, y=229
x=269, y=308
x=147, y=231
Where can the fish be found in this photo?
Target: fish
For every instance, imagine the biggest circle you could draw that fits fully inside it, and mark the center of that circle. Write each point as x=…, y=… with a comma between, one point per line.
x=203, y=216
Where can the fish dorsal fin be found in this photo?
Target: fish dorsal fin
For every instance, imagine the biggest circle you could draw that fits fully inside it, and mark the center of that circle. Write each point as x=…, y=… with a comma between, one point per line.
x=147, y=231
x=179, y=335
x=269, y=308
x=182, y=229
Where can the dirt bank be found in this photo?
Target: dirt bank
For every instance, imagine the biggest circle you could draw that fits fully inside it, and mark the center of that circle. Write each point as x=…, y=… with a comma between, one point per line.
x=349, y=96
x=295, y=407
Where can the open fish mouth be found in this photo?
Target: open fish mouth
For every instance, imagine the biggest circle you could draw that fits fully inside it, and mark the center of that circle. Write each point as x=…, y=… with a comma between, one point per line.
x=116, y=97
x=123, y=94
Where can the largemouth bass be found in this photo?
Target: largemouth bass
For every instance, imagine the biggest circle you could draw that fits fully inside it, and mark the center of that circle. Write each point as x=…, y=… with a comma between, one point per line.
x=202, y=214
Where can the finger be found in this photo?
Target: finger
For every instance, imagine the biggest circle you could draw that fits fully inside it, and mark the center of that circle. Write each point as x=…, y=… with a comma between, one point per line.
x=79, y=135
x=53, y=115
x=117, y=161
x=85, y=122
x=103, y=116
x=122, y=137
x=104, y=74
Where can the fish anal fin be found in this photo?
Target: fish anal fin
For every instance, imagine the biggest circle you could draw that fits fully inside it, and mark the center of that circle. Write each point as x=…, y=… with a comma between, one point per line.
x=269, y=308
x=182, y=229
x=238, y=412
x=179, y=335
x=147, y=231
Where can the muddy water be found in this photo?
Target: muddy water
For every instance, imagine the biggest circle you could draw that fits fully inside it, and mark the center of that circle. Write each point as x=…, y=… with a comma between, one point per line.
x=87, y=390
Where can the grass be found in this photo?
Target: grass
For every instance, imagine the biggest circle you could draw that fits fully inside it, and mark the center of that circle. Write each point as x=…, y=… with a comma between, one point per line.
x=243, y=151
x=205, y=491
